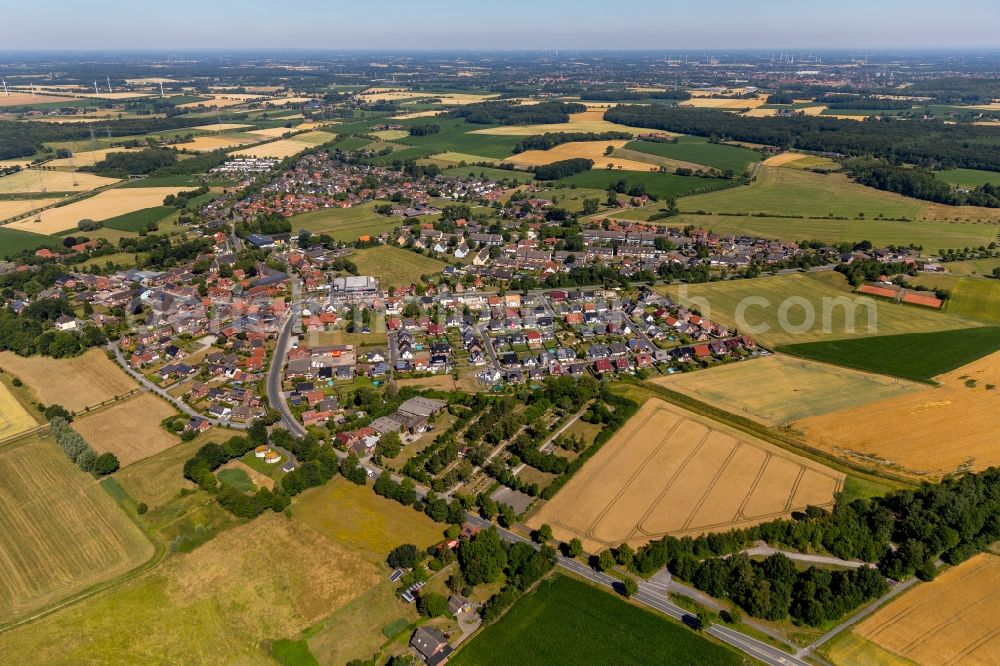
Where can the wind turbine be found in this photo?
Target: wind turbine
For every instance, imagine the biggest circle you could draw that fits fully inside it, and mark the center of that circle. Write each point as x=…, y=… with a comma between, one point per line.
x=5, y=92
x=110, y=91
x=97, y=93
x=161, y=89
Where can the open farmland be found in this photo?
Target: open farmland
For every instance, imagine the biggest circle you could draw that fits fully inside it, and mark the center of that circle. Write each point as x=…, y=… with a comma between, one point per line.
x=38, y=180
x=129, y=429
x=14, y=419
x=928, y=233
x=345, y=224
x=718, y=301
x=796, y=388
x=700, y=151
x=394, y=267
x=13, y=207
x=660, y=185
x=86, y=158
x=926, y=433
x=725, y=103
x=669, y=471
x=567, y=621
x=951, y=620
x=107, y=204
x=975, y=298
x=221, y=127
x=216, y=604
x=286, y=147
x=157, y=479
x=62, y=532
x=790, y=192
x=13, y=242
x=208, y=142
x=592, y=150
x=916, y=356
x=74, y=383
x=591, y=120
x=968, y=177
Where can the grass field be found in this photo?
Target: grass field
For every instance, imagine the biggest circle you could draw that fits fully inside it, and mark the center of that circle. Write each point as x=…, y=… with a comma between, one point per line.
x=848, y=649
x=924, y=434
x=719, y=301
x=975, y=298
x=495, y=174
x=355, y=515
x=130, y=429
x=591, y=120
x=38, y=180
x=931, y=234
x=14, y=419
x=566, y=621
x=700, y=151
x=968, y=177
x=139, y=219
x=13, y=241
x=661, y=185
x=916, y=356
x=946, y=621
x=796, y=388
x=457, y=136
x=346, y=224
x=62, y=532
x=973, y=266
x=790, y=192
x=394, y=267
x=74, y=383
x=102, y=206
x=216, y=604
x=670, y=471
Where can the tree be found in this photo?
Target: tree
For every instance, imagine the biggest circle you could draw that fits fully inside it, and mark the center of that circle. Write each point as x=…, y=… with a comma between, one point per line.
x=389, y=445
x=53, y=411
x=704, y=619
x=482, y=558
x=432, y=604
x=606, y=560
x=629, y=586
x=544, y=534
x=591, y=206
x=105, y=464
x=405, y=556
x=574, y=548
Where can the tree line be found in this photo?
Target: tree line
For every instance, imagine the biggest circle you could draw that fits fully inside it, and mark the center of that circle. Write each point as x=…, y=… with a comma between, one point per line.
x=511, y=113
x=926, y=143
x=553, y=139
x=563, y=168
x=919, y=184
x=78, y=450
x=633, y=95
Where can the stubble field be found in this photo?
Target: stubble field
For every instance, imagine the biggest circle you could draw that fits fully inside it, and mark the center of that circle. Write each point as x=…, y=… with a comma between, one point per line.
x=592, y=150
x=10, y=208
x=74, y=383
x=129, y=429
x=669, y=471
x=37, y=180
x=286, y=147
x=103, y=206
x=796, y=388
x=926, y=433
x=14, y=419
x=951, y=620
x=62, y=532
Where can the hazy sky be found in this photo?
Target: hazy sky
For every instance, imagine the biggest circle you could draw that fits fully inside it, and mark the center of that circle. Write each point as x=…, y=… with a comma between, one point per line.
x=487, y=24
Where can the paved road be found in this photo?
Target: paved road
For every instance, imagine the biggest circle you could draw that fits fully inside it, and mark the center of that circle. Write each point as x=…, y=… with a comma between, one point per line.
x=274, y=375
x=179, y=404
x=763, y=549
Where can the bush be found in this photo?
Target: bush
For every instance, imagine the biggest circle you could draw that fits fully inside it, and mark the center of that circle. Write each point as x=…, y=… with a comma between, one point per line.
x=141, y=508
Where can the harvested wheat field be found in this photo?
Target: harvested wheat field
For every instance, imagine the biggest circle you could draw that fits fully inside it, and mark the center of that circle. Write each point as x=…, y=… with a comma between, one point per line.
x=208, y=143
x=796, y=388
x=270, y=132
x=37, y=180
x=286, y=147
x=62, y=532
x=593, y=150
x=926, y=433
x=87, y=158
x=417, y=114
x=14, y=419
x=14, y=207
x=951, y=620
x=591, y=120
x=107, y=204
x=669, y=471
x=782, y=159
x=724, y=102
x=221, y=127
x=221, y=603
x=74, y=383
x=22, y=99
x=130, y=429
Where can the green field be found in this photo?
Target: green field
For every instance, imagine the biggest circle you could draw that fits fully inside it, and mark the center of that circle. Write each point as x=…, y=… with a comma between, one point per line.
x=177, y=180
x=917, y=356
x=394, y=267
x=975, y=298
x=565, y=621
x=237, y=478
x=780, y=192
x=494, y=174
x=455, y=137
x=700, y=151
x=345, y=224
x=973, y=266
x=13, y=241
x=660, y=185
x=968, y=177
x=139, y=219
x=719, y=301
x=930, y=234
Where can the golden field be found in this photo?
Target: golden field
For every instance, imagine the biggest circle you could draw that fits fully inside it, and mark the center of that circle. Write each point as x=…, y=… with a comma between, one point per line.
x=103, y=206
x=130, y=429
x=926, y=433
x=34, y=180
x=74, y=383
x=669, y=471
x=87, y=158
x=221, y=127
x=286, y=147
x=208, y=143
x=24, y=98
x=14, y=419
x=593, y=150
x=796, y=388
x=270, y=132
x=950, y=620
x=62, y=532
x=724, y=103
x=13, y=207
x=782, y=159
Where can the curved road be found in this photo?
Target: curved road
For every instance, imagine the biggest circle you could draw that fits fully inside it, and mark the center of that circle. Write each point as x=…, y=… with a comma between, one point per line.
x=274, y=376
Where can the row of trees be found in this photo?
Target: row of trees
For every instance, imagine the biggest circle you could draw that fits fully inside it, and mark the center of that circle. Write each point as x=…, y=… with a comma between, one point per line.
x=563, y=168
x=919, y=184
x=76, y=449
x=123, y=165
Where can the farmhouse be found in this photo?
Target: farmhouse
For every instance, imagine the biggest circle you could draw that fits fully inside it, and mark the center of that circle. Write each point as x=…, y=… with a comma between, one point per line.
x=431, y=645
